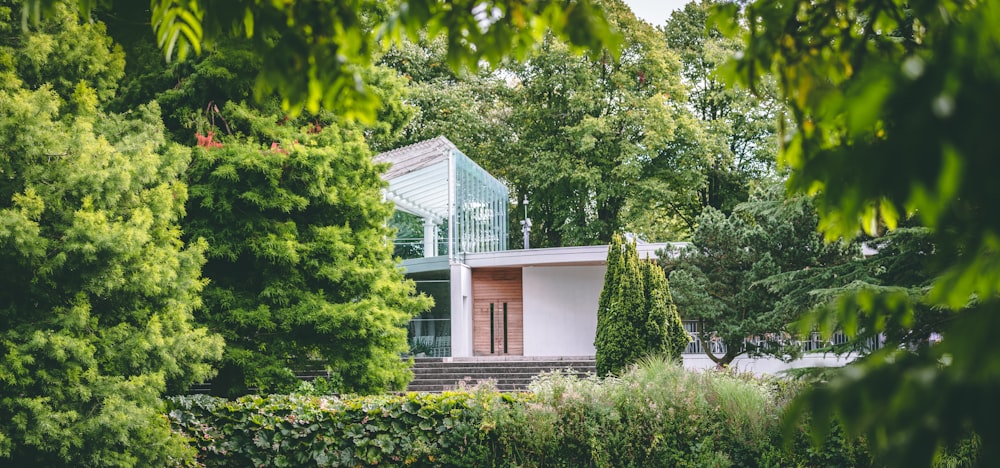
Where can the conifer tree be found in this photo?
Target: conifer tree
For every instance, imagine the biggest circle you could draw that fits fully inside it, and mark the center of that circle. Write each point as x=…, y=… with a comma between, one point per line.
x=299, y=258
x=636, y=316
x=664, y=330
x=96, y=287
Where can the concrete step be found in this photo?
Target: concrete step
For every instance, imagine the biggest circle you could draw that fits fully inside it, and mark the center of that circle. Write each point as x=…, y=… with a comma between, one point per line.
x=505, y=370
x=509, y=373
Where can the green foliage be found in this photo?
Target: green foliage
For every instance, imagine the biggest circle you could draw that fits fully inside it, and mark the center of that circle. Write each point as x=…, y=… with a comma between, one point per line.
x=594, y=138
x=657, y=414
x=299, y=259
x=312, y=52
x=890, y=120
x=754, y=272
x=636, y=316
x=737, y=137
x=97, y=288
x=299, y=430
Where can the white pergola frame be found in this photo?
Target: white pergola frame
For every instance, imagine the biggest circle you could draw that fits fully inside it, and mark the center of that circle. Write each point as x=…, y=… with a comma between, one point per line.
x=435, y=181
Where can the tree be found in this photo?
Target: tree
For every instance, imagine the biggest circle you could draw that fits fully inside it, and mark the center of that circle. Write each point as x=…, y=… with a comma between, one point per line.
x=465, y=106
x=892, y=117
x=664, y=331
x=635, y=316
x=592, y=137
x=264, y=197
x=97, y=288
x=739, y=128
x=313, y=52
x=299, y=256
x=752, y=273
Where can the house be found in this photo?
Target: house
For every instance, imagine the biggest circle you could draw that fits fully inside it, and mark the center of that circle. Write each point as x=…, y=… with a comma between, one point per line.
x=489, y=301
x=452, y=217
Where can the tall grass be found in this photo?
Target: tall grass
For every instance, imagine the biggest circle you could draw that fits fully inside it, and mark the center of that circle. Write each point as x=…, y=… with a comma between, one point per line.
x=655, y=414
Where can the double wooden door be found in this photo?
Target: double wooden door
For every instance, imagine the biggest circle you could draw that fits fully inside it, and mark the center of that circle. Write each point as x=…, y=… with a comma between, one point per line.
x=497, y=312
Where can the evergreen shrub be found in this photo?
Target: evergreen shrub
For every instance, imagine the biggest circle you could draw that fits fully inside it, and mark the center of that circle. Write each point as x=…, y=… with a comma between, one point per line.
x=636, y=316
x=655, y=414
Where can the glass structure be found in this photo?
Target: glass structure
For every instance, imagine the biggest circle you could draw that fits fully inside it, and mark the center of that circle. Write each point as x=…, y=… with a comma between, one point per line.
x=446, y=205
x=480, y=215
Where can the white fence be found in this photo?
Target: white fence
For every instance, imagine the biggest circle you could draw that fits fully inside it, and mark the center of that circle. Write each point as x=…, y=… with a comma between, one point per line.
x=813, y=343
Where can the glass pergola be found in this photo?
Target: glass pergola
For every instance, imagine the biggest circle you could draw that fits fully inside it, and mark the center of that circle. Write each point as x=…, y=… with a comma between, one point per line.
x=445, y=203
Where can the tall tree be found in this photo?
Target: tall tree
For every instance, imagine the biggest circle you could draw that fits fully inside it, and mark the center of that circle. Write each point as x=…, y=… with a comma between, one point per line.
x=97, y=288
x=593, y=134
x=465, y=106
x=739, y=127
x=636, y=316
x=726, y=278
x=894, y=116
x=664, y=332
x=300, y=277
x=299, y=255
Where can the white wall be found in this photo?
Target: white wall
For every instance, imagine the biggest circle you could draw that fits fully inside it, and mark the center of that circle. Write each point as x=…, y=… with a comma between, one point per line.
x=768, y=365
x=461, y=310
x=560, y=309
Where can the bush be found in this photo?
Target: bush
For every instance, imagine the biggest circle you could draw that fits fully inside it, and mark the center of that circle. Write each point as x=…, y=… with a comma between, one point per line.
x=300, y=430
x=655, y=414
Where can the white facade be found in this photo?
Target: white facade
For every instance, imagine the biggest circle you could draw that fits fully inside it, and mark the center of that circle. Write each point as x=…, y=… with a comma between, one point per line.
x=560, y=291
x=560, y=309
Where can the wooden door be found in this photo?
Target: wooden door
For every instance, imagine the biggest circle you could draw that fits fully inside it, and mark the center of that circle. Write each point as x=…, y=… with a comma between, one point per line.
x=497, y=312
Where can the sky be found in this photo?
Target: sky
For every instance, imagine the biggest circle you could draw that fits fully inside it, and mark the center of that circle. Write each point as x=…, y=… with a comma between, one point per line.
x=655, y=12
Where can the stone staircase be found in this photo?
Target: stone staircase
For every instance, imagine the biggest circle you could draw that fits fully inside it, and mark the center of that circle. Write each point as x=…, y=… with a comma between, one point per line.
x=510, y=373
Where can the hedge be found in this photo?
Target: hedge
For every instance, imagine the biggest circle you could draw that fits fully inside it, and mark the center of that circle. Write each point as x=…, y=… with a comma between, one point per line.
x=657, y=414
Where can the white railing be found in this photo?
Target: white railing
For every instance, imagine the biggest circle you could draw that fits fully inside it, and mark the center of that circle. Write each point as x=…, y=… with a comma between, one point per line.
x=430, y=337
x=813, y=343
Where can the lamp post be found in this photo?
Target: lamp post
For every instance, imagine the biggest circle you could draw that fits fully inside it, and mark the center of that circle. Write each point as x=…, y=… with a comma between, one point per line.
x=526, y=224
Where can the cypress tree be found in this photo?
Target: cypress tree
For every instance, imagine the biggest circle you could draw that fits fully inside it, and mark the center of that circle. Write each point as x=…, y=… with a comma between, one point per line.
x=605, y=314
x=676, y=338
x=655, y=329
x=636, y=316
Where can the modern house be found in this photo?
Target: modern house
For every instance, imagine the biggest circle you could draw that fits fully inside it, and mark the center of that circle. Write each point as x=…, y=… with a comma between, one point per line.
x=452, y=217
x=489, y=301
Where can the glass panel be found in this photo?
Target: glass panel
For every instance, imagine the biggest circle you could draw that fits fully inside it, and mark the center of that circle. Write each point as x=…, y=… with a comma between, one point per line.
x=481, y=205
x=430, y=333
x=409, y=241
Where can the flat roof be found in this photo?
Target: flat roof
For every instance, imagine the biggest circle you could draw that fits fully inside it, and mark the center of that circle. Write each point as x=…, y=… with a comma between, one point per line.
x=553, y=256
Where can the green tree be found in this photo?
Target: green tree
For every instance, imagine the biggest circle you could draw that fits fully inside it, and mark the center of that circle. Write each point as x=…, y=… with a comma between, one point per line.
x=752, y=273
x=738, y=126
x=892, y=112
x=635, y=316
x=313, y=52
x=97, y=288
x=664, y=331
x=592, y=137
x=269, y=216
x=299, y=257
x=465, y=106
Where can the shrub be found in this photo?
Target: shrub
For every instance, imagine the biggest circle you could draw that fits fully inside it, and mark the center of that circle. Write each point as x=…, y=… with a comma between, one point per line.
x=655, y=414
x=636, y=316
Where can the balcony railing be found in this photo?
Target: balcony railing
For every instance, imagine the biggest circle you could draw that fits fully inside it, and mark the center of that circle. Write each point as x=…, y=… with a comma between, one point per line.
x=430, y=337
x=814, y=343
